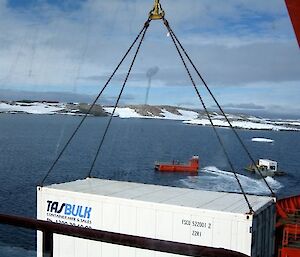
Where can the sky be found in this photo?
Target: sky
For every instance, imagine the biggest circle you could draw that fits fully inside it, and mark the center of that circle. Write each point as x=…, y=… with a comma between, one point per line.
x=245, y=50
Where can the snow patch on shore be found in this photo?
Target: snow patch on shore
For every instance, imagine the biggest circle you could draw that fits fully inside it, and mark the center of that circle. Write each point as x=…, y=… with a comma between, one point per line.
x=32, y=108
x=184, y=115
x=124, y=113
x=189, y=114
x=240, y=124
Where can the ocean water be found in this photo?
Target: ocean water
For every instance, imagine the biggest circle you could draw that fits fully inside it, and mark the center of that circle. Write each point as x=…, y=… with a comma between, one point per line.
x=30, y=143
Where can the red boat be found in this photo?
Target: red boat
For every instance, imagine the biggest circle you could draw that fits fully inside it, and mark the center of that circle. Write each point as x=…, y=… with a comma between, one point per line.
x=175, y=166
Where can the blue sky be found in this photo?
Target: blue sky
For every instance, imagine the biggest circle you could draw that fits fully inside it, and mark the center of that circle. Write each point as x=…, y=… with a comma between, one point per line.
x=246, y=50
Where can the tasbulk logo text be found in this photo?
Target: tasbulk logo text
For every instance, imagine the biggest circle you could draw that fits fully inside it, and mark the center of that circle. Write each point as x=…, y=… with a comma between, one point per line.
x=69, y=209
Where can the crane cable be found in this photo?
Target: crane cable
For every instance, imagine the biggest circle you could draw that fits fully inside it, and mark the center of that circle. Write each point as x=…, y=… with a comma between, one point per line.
x=159, y=14
x=208, y=115
x=217, y=103
x=118, y=99
x=92, y=105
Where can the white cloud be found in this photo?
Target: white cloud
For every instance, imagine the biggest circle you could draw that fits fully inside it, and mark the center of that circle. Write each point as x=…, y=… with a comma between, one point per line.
x=46, y=47
x=283, y=95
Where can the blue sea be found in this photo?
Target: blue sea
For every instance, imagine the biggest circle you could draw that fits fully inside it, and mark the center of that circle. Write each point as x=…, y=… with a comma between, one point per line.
x=30, y=143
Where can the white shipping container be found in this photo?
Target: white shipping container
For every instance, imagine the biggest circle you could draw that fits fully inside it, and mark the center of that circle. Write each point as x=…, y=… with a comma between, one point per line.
x=214, y=219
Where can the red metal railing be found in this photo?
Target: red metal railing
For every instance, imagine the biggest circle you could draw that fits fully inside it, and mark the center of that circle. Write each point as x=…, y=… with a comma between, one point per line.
x=288, y=226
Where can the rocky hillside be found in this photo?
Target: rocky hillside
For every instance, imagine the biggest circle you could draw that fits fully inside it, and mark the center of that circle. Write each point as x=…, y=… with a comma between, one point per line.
x=187, y=116
x=46, y=107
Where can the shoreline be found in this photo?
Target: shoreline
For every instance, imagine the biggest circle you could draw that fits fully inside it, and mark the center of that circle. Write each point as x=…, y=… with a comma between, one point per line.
x=184, y=115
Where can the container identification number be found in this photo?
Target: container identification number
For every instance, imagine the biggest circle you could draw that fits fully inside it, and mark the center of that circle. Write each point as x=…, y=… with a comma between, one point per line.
x=196, y=233
x=198, y=229
x=195, y=223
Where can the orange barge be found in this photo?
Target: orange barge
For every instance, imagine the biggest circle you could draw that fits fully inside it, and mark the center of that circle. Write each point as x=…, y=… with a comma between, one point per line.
x=175, y=166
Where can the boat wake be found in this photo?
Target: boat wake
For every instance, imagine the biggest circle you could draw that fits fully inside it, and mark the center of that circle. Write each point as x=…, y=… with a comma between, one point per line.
x=213, y=179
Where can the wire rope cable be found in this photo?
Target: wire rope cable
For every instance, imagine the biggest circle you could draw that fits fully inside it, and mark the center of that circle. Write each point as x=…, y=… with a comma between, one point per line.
x=118, y=99
x=211, y=122
x=219, y=106
x=92, y=105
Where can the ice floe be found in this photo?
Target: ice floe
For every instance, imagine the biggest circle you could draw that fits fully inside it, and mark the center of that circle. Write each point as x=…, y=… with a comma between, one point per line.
x=261, y=139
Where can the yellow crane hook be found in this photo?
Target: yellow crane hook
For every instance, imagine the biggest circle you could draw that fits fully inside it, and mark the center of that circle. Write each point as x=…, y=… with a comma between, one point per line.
x=157, y=12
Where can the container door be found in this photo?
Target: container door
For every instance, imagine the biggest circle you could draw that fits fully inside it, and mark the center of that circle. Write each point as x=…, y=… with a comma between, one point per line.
x=263, y=233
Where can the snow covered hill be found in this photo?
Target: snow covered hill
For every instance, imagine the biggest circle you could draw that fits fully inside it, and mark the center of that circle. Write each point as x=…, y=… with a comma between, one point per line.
x=154, y=112
x=193, y=117
x=187, y=116
x=43, y=107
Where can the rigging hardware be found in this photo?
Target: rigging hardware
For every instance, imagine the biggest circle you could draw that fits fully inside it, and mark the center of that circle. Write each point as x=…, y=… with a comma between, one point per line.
x=157, y=13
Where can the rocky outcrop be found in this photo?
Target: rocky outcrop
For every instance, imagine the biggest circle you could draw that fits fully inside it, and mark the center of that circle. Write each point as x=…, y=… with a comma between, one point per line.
x=97, y=109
